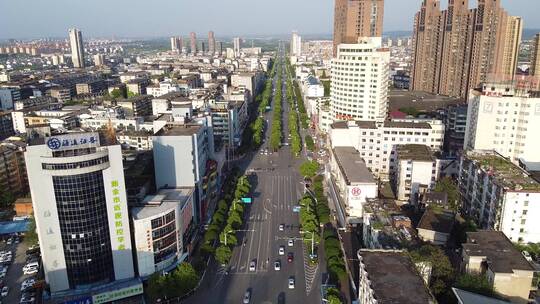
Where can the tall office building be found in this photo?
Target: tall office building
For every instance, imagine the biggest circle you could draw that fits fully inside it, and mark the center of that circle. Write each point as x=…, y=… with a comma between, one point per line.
x=457, y=49
x=357, y=18
x=535, y=58
x=211, y=43
x=360, y=76
x=236, y=46
x=174, y=44
x=296, y=44
x=77, y=48
x=80, y=207
x=193, y=42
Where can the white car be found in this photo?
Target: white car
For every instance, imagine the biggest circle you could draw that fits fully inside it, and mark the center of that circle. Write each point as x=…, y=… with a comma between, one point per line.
x=291, y=283
x=281, y=250
x=281, y=227
x=5, y=291
x=290, y=243
x=252, y=266
x=30, y=270
x=247, y=297
x=277, y=265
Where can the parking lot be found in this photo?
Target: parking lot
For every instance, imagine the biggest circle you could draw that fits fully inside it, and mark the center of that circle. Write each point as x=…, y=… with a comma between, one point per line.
x=14, y=276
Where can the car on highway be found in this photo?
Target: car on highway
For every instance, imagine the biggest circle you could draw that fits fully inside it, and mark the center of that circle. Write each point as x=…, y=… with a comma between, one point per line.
x=247, y=297
x=277, y=265
x=281, y=227
x=281, y=250
x=290, y=243
x=5, y=291
x=290, y=257
x=252, y=265
x=291, y=283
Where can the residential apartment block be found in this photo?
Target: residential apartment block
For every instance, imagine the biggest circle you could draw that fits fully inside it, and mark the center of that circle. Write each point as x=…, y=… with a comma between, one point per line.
x=505, y=118
x=377, y=142
x=458, y=48
x=500, y=195
x=357, y=18
x=388, y=277
x=492, y=254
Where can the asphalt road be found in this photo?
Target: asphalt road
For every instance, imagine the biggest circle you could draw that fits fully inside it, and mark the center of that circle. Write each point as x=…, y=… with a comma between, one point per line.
x=277, y=188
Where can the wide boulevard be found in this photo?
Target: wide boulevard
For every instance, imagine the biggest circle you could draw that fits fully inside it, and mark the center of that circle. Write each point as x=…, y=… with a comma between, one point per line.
x=277, y=186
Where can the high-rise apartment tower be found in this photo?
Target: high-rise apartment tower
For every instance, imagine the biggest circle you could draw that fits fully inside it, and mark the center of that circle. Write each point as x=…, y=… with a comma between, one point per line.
x=457, y=49
x=77, y=48
x=357, y=18
x=211, y=43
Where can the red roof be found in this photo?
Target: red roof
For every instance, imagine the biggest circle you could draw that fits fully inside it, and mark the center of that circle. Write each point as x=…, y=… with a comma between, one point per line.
x=398, y=114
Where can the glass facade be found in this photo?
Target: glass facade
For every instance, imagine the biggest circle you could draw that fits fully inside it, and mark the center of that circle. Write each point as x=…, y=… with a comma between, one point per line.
x=82, y=211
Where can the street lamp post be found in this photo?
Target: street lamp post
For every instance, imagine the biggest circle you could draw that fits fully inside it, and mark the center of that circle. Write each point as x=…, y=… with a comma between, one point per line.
x=226, y=236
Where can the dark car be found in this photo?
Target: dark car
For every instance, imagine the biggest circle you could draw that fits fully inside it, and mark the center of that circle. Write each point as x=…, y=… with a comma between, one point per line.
x=290, y=257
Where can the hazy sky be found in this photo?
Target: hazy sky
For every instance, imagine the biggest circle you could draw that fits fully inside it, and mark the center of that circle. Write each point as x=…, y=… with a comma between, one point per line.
x=46, y=18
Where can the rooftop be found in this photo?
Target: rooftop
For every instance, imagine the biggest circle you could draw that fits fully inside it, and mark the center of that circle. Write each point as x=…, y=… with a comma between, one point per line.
x=440, y=221
x=406, y=124
x=179, y=130
x=165, y=199
x=360, y=124
x=386, y=217
x=414, y=152
x=466, y=297
x=504, y=171
x=352, y=165
x=393, y=277
x=501, y=254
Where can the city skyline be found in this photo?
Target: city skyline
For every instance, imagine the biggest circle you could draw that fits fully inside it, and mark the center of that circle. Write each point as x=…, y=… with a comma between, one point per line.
x=303, y=16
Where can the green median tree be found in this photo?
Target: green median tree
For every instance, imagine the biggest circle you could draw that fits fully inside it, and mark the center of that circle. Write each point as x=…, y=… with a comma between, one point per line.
x=309, y=168
x=223, y=254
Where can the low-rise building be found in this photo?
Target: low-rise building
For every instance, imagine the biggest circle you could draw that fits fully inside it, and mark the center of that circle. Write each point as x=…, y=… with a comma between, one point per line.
x=415, y=172
x=353, y=182
x=435, y=226
x=377, y=142
x=6, y=125
x=13, y=176
x=491, y=253
x=384, y=225
x=95, y=86
x=23, y=206
x=138, y=106
x=389, y=277
x=158, y=227
x=8, y=96
x=139, y=140
x=137, y=86
x=229, y=119
x=500, y=195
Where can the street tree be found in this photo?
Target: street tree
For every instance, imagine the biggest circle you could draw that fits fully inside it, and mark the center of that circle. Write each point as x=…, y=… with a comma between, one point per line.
x=223, y=254
x=309, y=168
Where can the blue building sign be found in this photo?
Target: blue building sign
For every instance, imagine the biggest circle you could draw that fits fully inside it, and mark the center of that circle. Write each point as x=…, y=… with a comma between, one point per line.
x=85, y=300
x=72, y=141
